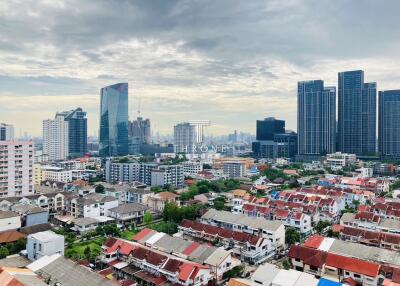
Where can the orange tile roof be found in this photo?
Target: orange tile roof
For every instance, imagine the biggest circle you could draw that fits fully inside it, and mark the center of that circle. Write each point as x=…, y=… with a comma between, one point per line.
x=10, y=236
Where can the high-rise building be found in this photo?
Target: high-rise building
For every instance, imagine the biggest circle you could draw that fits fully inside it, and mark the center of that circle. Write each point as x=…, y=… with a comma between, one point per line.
x=267, y=128
x=113, y=137
x=16, y=168
x=55, y=138
x=356, y=114
x=6, y=132
x=389, y=123
x=77, y=131
x=139, y=133
x=273, y=141
x=316, y=118
x=199, y=129
x=185, y=138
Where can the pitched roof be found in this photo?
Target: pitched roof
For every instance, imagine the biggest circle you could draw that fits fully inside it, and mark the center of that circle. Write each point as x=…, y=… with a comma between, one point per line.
x=10, y=236
x=354, y=265
x=8, y=214
x=129, y=208
x=310, y=256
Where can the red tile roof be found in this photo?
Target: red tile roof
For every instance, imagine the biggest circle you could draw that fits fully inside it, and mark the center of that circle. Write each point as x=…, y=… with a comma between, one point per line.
x=353, y=265
x=192, y=247
x=185, y=269
x=141, y=234
x=314, y=241
x=309, y=256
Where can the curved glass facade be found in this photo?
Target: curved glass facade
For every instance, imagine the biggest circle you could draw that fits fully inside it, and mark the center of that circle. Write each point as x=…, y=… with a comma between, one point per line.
x=113, y=137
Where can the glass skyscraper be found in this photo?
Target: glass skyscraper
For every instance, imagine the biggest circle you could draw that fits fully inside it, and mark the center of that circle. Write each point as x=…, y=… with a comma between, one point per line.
x=77, y=131
x=389, y=123
x=316, y=118
x=113, y=137
x=356, y=114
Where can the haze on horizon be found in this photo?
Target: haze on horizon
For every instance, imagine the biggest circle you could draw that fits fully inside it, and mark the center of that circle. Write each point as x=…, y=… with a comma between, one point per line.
x=228, y=61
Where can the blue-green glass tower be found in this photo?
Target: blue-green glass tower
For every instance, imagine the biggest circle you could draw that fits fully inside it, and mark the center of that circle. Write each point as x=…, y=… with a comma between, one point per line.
x=113, y=137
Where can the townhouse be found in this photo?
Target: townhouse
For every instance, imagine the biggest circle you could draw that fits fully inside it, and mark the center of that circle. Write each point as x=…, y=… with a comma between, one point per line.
x=131, y=260
x=248, y=247
x=370, y=221
x=334, y=267
x=379, y=239
x=272, y=230
x=93, y=205
x=217, y=259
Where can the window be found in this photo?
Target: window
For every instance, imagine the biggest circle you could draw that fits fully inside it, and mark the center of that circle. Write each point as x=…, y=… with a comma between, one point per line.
x=357, y=275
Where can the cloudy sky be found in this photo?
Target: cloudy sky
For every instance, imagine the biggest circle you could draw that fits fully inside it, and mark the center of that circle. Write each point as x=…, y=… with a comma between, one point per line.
x=230, y=61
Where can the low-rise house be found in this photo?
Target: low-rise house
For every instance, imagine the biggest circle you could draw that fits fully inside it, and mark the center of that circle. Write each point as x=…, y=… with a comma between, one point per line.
x=129, y=213
x=157, y=201
x=334, y=266
x=269, y=275
x=9, y=220
x=10, y=236
x=61, y=271
x=372, y=238
x=31, y=214
x=251, y=248
x=144, y=264
x=217, y=259
x=93, y=205
x=370, y=221
x=85, y=224
x=272, y=230
x=13, y=276
x=44, y=243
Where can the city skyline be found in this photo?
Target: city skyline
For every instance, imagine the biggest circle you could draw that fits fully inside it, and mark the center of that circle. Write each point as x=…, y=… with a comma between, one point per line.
x=180, y=69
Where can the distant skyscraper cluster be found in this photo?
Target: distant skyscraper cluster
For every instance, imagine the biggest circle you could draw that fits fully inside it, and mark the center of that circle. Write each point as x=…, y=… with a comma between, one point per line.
x=355, y=129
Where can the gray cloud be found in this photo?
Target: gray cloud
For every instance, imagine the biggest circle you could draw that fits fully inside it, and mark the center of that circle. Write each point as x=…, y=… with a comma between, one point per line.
x=188, y=59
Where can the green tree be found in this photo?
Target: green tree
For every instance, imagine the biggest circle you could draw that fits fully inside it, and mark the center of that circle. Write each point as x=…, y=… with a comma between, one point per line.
x=219, y=203
x=287, y=264
x=321, y=225
x=4, y=252
x=87, y=252
x=147, y=218
x=99, y=189
x=291, y=236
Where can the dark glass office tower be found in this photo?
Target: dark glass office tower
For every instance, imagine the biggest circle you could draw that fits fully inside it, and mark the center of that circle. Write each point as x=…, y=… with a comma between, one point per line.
x=267, y=128
x=316, y=118
x=113, y=137
x=77, y=132
x=356, y=114
x=389, y=123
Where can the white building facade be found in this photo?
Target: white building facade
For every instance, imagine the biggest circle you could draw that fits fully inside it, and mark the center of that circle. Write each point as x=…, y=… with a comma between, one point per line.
x=16, y=168
x=55, y=138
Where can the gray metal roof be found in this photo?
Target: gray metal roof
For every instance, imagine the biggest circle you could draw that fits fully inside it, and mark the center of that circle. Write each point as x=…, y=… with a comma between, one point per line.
x=265, y=273
x=69, y=273
x=15, y=261
x=201, y=253
x=8, y=214
x=242, y=219
x=129, y=208
x=172, y=244
x=364, y=252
